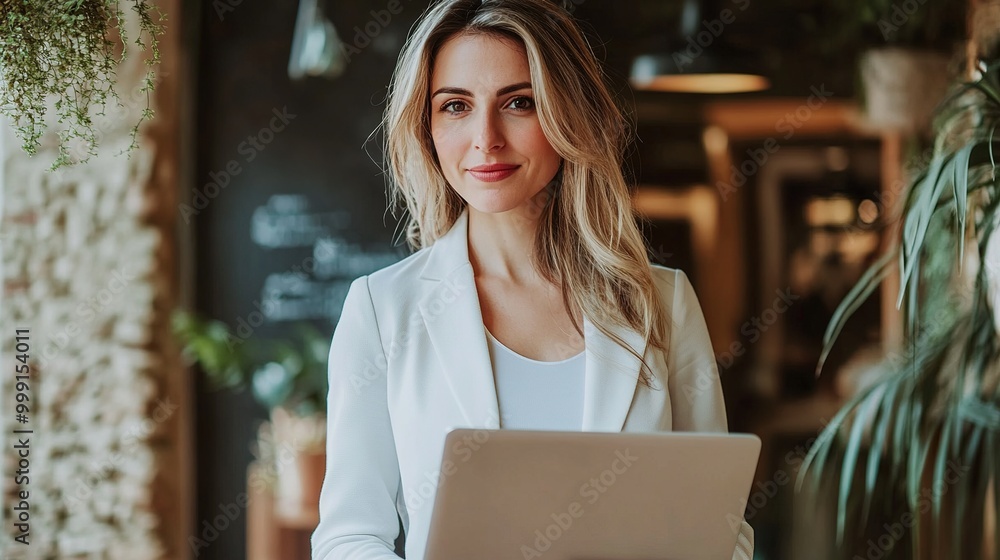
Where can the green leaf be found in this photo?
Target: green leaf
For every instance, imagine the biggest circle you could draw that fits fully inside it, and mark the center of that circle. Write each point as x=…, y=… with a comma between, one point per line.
x=944, y=447
x=867, y=284
x=880, y=429
x=821, y=448
x=853, y=448
x=993, y=161
x=918, y=450
x=816, y=458
x=972, y=409
x=901, y=430
x=916, y=223
x=991, y=92
x=961, y=185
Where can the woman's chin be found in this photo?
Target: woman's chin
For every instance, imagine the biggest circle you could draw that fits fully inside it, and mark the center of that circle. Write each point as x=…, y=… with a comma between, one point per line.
x=493, y=205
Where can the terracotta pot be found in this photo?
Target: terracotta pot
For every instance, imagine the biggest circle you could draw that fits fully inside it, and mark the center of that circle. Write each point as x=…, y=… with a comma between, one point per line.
x=300, y=479
x=312, y=467
x=301, y=461
x=902, y=87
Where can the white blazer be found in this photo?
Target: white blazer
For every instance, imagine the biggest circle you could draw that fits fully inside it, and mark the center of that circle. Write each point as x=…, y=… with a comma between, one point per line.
x=409, y=362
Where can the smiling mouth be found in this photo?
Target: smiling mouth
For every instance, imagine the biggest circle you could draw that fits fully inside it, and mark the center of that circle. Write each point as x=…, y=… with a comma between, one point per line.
x=493, y=173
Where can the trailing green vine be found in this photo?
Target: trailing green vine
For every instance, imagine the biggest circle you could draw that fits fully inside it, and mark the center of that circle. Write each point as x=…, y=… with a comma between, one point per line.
x=60, y=50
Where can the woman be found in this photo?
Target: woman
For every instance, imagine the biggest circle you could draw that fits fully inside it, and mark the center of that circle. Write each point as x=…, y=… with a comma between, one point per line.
x=530, y=302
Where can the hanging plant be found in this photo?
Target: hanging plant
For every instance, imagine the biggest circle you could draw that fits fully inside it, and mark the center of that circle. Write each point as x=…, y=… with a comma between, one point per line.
x=60, y=50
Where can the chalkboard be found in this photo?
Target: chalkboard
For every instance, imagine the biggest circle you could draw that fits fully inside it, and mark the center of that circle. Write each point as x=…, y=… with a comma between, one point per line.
x=288, y=207
x=315, y=288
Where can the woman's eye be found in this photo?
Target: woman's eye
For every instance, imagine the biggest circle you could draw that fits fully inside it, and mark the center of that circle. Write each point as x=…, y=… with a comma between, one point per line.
x=522, y=104
x=454, y=107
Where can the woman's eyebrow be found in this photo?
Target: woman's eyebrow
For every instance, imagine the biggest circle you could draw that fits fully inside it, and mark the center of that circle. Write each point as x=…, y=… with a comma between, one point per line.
x=467, y=93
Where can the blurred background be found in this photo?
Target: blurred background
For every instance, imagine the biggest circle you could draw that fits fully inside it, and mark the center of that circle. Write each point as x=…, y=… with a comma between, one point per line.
x=180, y=300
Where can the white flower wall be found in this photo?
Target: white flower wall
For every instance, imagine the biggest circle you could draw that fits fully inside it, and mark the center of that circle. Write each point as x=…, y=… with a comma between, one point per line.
x=88, y=263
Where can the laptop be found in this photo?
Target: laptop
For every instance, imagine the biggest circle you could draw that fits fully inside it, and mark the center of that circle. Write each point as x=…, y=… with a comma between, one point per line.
x=522, y=494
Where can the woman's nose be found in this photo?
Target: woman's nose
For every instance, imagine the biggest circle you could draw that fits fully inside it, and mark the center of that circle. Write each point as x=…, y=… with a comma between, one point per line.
x=489, y=136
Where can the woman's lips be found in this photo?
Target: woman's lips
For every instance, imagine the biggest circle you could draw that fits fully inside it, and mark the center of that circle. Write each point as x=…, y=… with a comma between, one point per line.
x=491, y=174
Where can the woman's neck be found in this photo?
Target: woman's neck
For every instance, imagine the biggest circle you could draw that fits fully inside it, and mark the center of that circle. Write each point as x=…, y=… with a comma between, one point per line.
x=502, y=245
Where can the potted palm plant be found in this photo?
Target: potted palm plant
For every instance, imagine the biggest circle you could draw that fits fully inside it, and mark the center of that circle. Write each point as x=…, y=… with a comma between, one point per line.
x=288, y=377
x=920, y=445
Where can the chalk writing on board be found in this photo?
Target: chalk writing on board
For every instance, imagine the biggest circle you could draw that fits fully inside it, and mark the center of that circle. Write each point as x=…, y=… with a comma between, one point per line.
x=336, y=257
x=294, y=297
x=285, y=222
x=317, y=286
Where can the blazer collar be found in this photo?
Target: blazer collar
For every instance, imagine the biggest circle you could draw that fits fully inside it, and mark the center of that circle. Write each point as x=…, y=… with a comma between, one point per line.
x=454, y=322
x=450, y=251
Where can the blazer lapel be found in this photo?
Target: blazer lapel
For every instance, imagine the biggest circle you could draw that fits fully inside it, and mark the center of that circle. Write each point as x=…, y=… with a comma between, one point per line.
x=611, y=377
x=454, y=323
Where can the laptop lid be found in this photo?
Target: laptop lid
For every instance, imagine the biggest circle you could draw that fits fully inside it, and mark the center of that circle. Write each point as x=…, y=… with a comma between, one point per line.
x=519, y=494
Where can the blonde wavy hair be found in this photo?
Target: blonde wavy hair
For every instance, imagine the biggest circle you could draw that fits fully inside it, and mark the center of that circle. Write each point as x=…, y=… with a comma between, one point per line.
x=588, y=241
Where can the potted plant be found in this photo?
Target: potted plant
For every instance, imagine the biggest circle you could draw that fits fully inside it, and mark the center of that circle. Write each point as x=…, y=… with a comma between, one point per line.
x=69, y=52
x=920, y=445
x=903, y=49
x=288, y=377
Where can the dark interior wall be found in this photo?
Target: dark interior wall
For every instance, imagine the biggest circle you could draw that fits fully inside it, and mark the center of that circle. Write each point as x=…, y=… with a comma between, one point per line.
x=319, y=152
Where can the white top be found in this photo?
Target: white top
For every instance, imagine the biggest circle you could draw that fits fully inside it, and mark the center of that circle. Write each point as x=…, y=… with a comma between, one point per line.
x=534, y=395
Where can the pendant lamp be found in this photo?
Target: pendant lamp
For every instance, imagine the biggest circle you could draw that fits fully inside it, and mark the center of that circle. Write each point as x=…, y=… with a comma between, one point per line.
x=698, y=59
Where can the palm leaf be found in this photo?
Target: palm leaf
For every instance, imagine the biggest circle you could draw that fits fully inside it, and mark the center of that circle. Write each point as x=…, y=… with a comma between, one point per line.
x=988, y=89
x=820, y=449
x=902, y=429
x=943, y=451
x=851, y=452
x=915, y=226
x=976, y=412
x=961, y=182
x=935, y=403
x=867, y=284
x=993, y=161
x=881, y=426
x=916, y=458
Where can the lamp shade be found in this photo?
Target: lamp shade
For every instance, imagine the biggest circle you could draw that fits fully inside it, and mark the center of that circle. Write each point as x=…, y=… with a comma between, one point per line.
x=705, y=74
x=697, y=59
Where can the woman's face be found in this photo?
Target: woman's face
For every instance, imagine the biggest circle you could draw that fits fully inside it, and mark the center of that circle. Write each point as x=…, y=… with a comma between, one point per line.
x=484, y=126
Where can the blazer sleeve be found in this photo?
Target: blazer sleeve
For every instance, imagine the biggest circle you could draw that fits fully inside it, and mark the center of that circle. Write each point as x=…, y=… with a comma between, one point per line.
x=357, y=505
x=693, y=381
